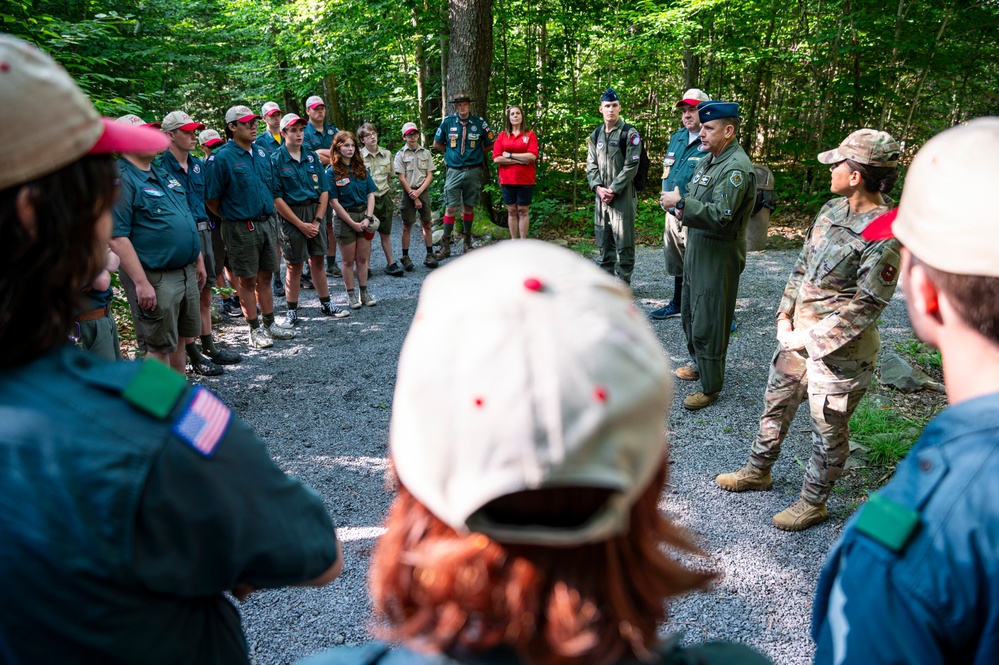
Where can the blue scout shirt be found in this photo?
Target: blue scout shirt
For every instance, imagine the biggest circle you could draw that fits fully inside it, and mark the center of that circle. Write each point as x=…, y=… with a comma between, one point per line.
x=298, y=182
x=193, y=181
x=914, y=577
x=267, y=141
x=464, y=140
x=681, y=160
x=350, y=191
x=133, y=517
x=152, y=212
x=241, y=181
x=316, y=140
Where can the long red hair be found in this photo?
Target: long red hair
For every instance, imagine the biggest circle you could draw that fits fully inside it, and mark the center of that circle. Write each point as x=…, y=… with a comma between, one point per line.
x=356, y=169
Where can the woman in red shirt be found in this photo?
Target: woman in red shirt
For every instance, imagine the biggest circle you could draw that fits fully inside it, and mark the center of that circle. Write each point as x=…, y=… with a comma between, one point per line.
x=515, y=150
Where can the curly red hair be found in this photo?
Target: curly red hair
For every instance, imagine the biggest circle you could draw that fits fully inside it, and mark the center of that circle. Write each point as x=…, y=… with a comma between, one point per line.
x=341, y=169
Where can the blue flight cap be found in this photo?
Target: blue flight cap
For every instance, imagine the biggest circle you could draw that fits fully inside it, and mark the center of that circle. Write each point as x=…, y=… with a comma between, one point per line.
x=610, y=96
x=715, y=109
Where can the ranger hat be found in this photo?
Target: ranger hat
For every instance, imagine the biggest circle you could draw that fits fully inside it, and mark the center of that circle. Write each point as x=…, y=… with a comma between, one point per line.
x=179, y=120
x=34, y=87
x=269, y=108
x=715, y=109
x=314, y=101
x=693, y=97
x=865, y=146
x=209, y=138
x=460, y=96
x=292, y=119
x=410, y=127
x=562, y=383
x=240, y=114
x=955, y=234
x=609, y=96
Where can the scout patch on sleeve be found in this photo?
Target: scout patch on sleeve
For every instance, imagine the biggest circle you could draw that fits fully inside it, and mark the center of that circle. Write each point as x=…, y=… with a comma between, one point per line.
x=197, y=169
x=155, y=389
x=887, y=522
x=888, y=274
x=203, y=423
x=736, y=178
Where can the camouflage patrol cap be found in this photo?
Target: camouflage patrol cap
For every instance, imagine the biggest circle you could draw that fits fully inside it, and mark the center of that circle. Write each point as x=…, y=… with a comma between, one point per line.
x=865, y=146
x=955, y=234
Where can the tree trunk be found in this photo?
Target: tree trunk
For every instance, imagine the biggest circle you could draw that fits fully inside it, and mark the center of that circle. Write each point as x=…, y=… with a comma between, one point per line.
x=332, y=97
x=421, y=80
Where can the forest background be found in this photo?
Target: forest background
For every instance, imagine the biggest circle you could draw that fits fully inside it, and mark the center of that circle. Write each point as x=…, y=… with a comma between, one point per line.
x=805, y=72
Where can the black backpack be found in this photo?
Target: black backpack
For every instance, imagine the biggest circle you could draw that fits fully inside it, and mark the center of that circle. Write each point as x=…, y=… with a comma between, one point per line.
x=641, y=179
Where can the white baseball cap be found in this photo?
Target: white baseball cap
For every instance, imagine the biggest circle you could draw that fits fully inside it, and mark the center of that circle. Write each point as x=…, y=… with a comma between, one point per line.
x=292, y=119
x=209, y=138
x=240, y=113
x=559, y=382
x=179, y=120
x=409, y=127
x=693, y=97
x=314, y=101
x=958, y=234
x=269, y=108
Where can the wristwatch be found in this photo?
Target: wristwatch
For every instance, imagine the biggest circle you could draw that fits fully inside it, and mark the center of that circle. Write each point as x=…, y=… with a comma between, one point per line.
x=317, y=219
x=367, y=217
x=679, y=205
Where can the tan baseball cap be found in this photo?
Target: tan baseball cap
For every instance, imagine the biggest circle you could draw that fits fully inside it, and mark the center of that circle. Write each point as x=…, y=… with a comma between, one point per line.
x=865, y=146
x=558, y=381
x=209, y=138
x=269, y=108
x=34, y=88
x=240, y=114
x=314, y=101
x=409, y=127
x=179, y=120
x=958, y=234
x=693, y=97
x=292, y=119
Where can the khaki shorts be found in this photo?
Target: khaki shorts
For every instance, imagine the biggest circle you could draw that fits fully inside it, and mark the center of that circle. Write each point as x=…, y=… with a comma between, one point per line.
x=344, y=233
x=251, y=252
x=408, y=209
x=100, y=337
x=294, y=245
x=178, y=308
x=208, y=253
x=384, y=210
x=463, y=187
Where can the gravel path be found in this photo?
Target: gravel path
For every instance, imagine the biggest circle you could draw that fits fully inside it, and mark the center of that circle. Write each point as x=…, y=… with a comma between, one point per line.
x=323, y=401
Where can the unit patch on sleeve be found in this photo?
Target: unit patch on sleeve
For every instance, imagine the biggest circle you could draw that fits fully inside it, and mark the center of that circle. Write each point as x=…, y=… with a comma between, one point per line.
x=888, y=274
x=735, y=178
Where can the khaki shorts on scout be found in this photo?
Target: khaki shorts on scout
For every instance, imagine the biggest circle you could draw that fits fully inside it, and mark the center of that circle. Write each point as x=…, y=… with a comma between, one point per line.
x=207, y=252
x=384, y=210
x=251, y=252
x=463, y=187
x=343, y=232
x=408, y=209
x=178, y=308
x=294, y=245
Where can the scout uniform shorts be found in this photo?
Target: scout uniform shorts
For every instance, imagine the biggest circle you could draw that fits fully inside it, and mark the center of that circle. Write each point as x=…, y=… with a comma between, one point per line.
x=463, y=186
x=251, y=251
x=294, y=245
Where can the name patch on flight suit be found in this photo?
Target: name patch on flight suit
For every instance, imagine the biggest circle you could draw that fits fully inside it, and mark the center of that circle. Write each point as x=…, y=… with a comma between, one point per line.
x=887, y=522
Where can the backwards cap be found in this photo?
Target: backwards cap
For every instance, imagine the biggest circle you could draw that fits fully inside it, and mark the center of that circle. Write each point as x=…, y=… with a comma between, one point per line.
x=562, y=383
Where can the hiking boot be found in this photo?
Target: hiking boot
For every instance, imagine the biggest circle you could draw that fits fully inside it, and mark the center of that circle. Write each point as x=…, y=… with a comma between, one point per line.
x=232, y=309
x=467, y=245
x=205, y=368
x=223, y=356
x=800, y=515
x=278, y=288
x=394, y=270
x=290, y=318
x=699, y=400
x=430, y=261
x=407, y=263
x=445, y=251
x=670, y=311
x=306, y=283
x=687, y=373
x=352, y=300
x=274, y=331
x=334, y=270
x=329, y=309
x=748, y=478
x=367, y=299
x=259, y=339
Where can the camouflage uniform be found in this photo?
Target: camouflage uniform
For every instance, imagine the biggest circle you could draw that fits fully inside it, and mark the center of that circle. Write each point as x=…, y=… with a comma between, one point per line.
x=836, y=291
x=607, y=165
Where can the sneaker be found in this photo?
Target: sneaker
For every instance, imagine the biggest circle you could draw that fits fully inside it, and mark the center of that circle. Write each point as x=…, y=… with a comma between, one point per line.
x=748, y=478
x=278, y=288
x=290, y=318
x=735, y=326
x=353, y=301
x=394, y=270
x=259, y=339
x=687, y=373
x=407, y=263
x=329, y=309
x=204, y=368
x=223, y=356
x=430, y=261
x=670, y=311
x=367, y=299
x=334, y=271
x=307, y=283
x=699, y=400
x=274, y=331
x=800, y=515
x=231, y=309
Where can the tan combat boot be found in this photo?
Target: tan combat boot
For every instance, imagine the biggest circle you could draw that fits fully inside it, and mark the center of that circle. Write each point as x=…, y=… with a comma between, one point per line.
x=699, y=400
x=445, y=250
x=687, y=373
x=800, y=515
x=467, y=247
x=745, y=479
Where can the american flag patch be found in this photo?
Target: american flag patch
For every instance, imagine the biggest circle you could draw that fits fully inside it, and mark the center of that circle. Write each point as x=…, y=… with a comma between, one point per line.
x=204, y=422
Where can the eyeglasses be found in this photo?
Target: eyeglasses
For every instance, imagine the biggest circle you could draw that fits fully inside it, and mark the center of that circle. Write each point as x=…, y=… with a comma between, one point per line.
x=251, y=123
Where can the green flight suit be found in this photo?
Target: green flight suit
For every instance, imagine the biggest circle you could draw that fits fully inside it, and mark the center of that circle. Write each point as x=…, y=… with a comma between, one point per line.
x=717, y=207
x=607, y=165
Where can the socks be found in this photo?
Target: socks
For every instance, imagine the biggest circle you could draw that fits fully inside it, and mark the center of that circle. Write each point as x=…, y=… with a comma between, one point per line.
x=208, y=344
x=292, y=305
x=405, y=252
x=466, y=222
x=194, y=353
x=254, y=323
x=448, y=225
x=330, y=262
x=269, y=320
x=322, y=301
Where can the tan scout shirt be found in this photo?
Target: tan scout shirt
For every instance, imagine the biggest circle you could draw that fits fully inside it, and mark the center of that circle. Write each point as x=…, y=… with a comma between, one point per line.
x=841, y=283
x=379, y=166
x=414, y=164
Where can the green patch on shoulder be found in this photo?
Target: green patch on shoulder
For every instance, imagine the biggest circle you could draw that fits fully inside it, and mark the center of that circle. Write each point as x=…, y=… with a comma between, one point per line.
x=887, y=522
x=155, y=389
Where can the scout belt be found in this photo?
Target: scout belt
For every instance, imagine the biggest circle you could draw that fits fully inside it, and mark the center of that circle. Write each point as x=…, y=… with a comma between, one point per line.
x=465, y=168
x=94, y=314
x=357, y=209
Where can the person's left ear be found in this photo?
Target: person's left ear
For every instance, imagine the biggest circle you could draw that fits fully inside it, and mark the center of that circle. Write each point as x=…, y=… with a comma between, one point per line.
x=25, y=206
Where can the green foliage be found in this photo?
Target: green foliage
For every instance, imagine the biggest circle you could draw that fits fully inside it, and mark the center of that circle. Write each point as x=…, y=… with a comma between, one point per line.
x=920, y=352
x=886, y=433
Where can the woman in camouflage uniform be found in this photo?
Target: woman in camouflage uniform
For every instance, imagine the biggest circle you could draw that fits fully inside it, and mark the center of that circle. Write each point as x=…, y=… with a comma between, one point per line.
x=826, y=326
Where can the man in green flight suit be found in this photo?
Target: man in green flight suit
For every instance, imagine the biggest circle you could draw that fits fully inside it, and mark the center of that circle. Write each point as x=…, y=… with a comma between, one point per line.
x=612, y=157
x=715, y=210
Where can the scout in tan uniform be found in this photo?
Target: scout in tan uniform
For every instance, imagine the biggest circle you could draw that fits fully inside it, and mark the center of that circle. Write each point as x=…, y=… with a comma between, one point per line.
x=715, y=210
x=826, y=326
x=414, y=166
x=610, y=169
x=379, y=162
